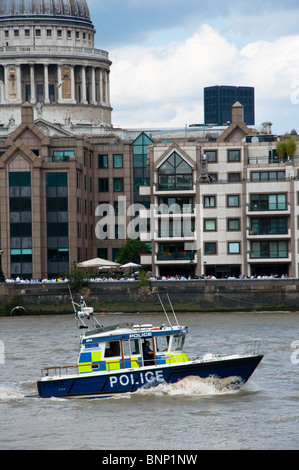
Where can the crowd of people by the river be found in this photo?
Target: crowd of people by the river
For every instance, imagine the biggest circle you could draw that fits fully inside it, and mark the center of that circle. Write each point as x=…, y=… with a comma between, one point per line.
x=135, y=276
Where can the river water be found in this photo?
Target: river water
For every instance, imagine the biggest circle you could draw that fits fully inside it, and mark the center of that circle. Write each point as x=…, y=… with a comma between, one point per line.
x=192, y=415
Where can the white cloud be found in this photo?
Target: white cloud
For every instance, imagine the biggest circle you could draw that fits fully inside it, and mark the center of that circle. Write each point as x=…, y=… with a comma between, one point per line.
x=164, y=85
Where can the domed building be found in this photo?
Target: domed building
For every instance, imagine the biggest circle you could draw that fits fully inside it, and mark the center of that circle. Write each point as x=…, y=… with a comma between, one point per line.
x=48, y=59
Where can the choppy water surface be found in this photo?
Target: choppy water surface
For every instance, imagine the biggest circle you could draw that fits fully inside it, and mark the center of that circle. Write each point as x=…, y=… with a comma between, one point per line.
x=191, y=415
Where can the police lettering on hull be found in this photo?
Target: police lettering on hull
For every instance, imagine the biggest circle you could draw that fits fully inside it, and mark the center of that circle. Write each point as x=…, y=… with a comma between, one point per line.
x=143, y=378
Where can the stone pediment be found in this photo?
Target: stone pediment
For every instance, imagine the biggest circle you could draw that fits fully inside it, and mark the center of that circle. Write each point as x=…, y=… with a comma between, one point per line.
x=235, y=133
x=49, y=129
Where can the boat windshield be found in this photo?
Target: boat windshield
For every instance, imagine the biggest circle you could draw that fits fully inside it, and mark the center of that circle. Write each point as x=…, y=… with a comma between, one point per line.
x=177, y=343
x=172, y=343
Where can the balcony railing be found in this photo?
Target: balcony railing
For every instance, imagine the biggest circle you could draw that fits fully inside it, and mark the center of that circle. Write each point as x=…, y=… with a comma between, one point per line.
x=268, y=231
x=53, y=50
x=167, y=256
x=269, y=254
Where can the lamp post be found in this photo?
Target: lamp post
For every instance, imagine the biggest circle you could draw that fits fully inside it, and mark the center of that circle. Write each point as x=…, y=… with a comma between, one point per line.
x=2, y=278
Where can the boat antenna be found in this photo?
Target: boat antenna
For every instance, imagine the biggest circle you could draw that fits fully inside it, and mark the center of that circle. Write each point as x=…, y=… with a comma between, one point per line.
x=164, y=310
x=172, y=309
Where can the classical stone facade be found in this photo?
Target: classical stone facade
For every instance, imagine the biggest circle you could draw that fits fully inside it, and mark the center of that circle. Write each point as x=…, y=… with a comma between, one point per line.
x=48, y=58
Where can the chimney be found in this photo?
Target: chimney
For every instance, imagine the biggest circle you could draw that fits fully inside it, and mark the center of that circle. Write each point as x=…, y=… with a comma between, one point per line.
x=267, y=128
x=237, y=113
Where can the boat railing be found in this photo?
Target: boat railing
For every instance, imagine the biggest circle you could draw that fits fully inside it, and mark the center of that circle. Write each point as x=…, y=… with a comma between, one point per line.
x=111, y=365
x=58, y=371
x=253, y=348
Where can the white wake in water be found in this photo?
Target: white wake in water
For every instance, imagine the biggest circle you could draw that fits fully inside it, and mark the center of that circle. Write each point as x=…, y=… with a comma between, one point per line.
x=194, y=386
x=10, y=394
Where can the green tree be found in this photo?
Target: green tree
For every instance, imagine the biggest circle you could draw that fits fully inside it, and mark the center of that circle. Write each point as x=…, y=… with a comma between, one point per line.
x=291, y=147
x=131, y=250
x=286, y=147
x=78, y=278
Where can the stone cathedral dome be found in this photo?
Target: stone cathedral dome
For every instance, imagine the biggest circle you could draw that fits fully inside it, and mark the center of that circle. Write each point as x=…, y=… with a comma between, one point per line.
x=48, y=58
x=44, y=9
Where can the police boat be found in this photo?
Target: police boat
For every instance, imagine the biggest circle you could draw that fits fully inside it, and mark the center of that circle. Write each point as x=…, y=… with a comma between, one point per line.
x=125, y=357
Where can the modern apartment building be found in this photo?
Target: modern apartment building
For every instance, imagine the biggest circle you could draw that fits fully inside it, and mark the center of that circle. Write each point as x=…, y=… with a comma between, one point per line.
x=225, y=208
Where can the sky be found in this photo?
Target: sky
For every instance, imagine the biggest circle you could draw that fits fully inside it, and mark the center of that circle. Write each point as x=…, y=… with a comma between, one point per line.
x=164, y=52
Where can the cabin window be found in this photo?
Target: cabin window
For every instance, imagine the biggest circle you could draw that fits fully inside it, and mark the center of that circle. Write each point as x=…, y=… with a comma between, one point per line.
x=177, y=342
x=131, y=347
x=112, y=349
x=135, y=346
x=162, y=343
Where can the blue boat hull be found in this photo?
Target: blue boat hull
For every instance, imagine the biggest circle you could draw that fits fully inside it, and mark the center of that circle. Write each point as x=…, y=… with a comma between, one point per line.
x=122, y=381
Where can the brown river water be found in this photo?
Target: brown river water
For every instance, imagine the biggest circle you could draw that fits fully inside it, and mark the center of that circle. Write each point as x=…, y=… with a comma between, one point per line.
x=192, y=415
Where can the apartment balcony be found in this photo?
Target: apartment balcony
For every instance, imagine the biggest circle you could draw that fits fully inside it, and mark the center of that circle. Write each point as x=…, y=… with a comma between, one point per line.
x=171, y=237
x=146, y=259
x=254, y=234
x=257, y=257
x=267, y=260
x=255, y=210
x=165, y=190
x=180, y=256
x=163, y=258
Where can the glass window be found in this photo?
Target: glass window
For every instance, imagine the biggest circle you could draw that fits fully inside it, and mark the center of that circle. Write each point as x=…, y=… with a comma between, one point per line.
x=115, y=254
x=209, y=201
x=234, y=247
x=140, y=149
x=102, y=161
x=177, y=342
x=140, y=182
x=211, y=156
x=162, y=343
x=234, y=177
x=112, y=349
x=233, y=200
x=210, y=225
x=210, y=248
x=134, y=346
x=20, y=178
x=175, y=205
x=118, y=185
x=103, y=185
x=102, y=253
x=62, y=155
x=267, y=175
x=118, y=161
x=269, y=249
x=56, y=179
x=175, y=174
x=264, y=202
x=234, y=155
x=233, y=224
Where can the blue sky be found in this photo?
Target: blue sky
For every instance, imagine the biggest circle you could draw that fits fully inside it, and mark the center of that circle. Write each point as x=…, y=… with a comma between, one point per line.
x=164, y=52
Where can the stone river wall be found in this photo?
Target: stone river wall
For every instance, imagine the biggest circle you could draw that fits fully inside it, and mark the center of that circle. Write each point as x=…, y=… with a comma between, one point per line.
x=191, y=295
